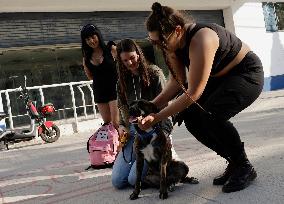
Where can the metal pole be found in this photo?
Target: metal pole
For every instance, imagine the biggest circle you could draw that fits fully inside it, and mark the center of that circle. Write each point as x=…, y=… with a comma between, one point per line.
x=83, y=99
x=93, y=101
x=9, y=110
x=42, y=99
x=74, y=107
x=41, y=96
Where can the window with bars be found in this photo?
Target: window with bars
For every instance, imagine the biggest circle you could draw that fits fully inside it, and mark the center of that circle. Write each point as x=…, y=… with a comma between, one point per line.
x=273, y=16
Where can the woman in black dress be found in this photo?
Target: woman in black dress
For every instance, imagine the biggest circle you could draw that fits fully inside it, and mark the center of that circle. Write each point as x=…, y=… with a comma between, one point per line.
x=99, y=66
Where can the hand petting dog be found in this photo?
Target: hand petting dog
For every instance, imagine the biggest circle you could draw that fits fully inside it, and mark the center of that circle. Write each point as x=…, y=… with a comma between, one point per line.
x=147, y=122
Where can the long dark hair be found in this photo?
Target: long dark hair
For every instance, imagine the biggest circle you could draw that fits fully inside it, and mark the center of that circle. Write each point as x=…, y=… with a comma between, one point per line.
x=128, y=45
x=87, y=31
x=164, y=20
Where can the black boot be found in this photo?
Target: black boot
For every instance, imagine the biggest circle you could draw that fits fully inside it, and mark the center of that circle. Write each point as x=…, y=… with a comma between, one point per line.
x=223, y=178
x=242, y=176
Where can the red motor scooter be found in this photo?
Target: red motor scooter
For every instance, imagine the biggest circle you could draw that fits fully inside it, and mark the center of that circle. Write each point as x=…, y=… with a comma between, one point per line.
x=47, y=130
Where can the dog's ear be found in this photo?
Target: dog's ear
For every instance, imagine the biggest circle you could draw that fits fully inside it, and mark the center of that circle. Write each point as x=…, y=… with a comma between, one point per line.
x=142, y=103
x=155, y=109
x=147, y=106
x=133, y=103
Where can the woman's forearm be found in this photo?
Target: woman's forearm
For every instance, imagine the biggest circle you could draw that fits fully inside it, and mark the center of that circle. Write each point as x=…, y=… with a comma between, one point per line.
x=170, y=91
x=88, y=73
x=114, y=112
x=176, y=106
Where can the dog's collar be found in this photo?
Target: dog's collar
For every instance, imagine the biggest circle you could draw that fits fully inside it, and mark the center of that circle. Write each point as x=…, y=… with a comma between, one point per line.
x=148, y=134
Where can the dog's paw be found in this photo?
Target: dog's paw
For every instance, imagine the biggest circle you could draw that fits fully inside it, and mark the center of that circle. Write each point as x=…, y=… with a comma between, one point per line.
x=163, y=196
x=172, y=188
x=133, y=196
x=190, y=180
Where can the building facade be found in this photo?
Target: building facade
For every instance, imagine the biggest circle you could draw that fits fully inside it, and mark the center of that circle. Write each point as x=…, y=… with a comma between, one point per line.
x=38, y=23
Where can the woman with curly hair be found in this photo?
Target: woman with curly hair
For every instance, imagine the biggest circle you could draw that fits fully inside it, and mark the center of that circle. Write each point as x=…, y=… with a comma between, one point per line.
x=137, y=80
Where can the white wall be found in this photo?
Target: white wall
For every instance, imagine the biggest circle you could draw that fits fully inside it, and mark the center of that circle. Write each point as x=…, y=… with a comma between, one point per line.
x=104, y=5
x=250, y=27
x=229, y=19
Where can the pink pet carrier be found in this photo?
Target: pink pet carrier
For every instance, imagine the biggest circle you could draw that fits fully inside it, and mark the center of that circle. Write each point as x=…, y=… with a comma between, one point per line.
x=102, y=146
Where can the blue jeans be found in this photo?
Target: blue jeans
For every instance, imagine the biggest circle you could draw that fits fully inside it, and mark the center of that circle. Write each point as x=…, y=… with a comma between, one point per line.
x=124, y=172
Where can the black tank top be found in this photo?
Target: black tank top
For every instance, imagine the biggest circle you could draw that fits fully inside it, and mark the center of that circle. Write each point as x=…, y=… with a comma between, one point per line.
x=104, y=78
x=105, y=70
x=229, y=46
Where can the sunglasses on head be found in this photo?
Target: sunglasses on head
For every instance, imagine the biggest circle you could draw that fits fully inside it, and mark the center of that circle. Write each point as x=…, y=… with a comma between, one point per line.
x=88, y=26
x=154, y=42
x=158, y=43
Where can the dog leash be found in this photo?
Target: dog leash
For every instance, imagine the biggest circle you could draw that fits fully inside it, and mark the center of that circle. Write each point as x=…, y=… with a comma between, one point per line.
x=123, y=155
x=136, y=96
x=147, y=135
x=129, y=162
x=189, y=97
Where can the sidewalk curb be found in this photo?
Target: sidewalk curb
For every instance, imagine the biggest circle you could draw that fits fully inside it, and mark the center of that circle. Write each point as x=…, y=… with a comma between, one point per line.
x=83, y=126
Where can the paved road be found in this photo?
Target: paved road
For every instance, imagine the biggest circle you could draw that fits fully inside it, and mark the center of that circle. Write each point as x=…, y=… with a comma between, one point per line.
x=54, y=173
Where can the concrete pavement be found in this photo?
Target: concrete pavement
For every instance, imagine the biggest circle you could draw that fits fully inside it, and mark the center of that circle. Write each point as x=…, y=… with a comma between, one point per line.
x=54, y=173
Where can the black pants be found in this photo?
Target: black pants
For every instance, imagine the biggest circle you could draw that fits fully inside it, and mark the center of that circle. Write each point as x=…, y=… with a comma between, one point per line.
x=223, y=98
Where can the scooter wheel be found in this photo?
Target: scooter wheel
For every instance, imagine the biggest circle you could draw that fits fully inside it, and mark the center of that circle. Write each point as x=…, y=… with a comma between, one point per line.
x=52, y=135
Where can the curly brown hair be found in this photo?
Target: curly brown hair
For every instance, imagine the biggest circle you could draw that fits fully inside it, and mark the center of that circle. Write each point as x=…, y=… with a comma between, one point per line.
x=128, y=45
x=164, y=19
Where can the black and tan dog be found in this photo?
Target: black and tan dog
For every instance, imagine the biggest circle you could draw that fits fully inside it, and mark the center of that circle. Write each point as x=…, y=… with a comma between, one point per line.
x=155, y=147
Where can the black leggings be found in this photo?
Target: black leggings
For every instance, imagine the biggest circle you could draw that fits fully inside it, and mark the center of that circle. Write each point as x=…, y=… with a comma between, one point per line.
x=223, y=98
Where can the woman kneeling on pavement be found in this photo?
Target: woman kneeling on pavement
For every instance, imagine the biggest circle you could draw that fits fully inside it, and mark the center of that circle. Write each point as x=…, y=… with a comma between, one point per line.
x=137, y=80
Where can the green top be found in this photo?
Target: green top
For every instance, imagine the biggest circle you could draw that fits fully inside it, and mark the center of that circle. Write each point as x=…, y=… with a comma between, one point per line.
x=135, y=89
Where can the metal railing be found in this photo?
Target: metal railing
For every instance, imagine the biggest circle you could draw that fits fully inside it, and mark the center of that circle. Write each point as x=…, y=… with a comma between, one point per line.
x=71, y=85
